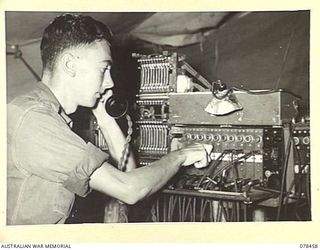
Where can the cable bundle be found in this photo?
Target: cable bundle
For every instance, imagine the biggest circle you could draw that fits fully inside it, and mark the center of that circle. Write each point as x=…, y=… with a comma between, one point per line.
x=182, y=208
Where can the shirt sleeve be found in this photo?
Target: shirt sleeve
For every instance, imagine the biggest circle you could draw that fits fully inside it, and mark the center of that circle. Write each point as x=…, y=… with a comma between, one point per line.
x=45, y=146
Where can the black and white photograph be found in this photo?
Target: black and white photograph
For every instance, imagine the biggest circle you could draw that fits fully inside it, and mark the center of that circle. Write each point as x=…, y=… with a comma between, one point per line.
x=162, y=117
x=199, y=116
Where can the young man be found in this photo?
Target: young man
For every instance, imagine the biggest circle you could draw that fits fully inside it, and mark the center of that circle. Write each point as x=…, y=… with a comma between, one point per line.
x=47, y=163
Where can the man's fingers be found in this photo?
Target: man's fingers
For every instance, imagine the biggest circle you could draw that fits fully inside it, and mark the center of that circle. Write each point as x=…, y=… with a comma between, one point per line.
x=197, y=154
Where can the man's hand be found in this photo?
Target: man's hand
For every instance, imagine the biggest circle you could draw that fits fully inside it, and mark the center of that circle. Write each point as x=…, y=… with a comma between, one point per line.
x=99, y=111
x=197, y=154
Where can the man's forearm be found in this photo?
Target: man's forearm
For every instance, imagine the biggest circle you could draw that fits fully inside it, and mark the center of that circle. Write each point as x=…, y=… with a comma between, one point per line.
x=158, y=173
x=139, y=183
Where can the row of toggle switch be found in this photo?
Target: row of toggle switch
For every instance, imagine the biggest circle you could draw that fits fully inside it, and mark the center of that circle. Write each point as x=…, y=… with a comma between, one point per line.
x=151, y=102
x=153, y=138
x=155, y=77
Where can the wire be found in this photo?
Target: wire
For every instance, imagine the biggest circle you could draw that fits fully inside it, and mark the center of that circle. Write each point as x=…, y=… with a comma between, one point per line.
x=125, y=152
x=232, y=212
x=183, y=207
x=266, y=91
x=198, y=87
x=308, y=190
x=212, y=166
x=284, y=174
x=157, y=210
x=195, y=74
x=307, y=179
x=169, y=207
x=219, y=211
x=180, y=208
x=238, y=210
x=245, y=212
x=287, y=196
x=297, y=202
x=235, y=171
x=173, y=206
x=164, y=210
x=216, y=53
x=225, y=210
x=153, y=213
x=230, y=164
x=299, y=182
x=194, y=209
x=211, y=211
x=187, y=208
x=18, y=54
x=285, y=57
x=201, y=209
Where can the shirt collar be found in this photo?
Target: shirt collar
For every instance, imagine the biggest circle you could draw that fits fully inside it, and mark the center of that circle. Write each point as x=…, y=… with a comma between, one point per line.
x=51, y=98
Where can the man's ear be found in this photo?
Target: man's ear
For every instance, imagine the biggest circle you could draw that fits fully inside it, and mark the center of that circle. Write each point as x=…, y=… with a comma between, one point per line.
x=69, y=64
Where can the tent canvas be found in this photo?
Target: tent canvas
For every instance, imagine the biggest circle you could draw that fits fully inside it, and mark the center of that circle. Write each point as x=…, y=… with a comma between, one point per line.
x=253, y=50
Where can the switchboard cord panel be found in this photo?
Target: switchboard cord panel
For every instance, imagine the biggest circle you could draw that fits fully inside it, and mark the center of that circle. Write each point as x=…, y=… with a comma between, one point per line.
x=253, y=163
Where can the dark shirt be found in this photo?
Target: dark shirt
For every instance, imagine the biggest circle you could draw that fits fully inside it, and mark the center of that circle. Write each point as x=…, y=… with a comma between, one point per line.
x=47, y=162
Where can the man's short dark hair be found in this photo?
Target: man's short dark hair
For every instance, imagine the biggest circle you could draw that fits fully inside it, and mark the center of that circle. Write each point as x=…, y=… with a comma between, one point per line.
x=67, y=31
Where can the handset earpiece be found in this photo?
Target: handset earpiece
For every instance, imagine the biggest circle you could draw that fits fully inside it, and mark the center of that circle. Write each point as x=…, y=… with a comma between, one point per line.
x=116, y=106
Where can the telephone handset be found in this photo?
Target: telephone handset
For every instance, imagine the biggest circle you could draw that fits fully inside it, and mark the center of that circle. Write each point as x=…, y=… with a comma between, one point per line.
x=116, y=106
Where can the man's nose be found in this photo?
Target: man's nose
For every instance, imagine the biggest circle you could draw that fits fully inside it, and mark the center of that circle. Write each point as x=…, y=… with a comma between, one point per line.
x=107, y=82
